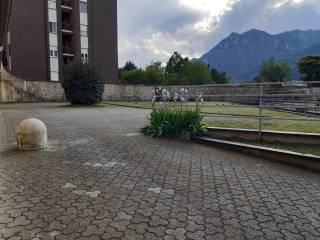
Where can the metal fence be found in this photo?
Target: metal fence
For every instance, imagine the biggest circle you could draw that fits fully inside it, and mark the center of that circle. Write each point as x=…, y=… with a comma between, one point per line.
x=297, y=101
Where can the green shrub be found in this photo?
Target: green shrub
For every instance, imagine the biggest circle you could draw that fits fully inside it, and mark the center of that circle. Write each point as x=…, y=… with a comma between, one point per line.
x=197, y=73
x=136, y=76
x=152, y=75
x=82, y=83
x=167, y=122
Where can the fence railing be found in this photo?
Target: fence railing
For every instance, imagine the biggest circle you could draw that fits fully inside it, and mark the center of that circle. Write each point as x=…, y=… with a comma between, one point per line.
x=264, y=107
x=68, y=50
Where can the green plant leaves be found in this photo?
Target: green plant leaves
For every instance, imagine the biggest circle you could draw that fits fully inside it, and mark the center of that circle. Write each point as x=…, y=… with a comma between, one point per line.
x=82, y=83
x=175, y=121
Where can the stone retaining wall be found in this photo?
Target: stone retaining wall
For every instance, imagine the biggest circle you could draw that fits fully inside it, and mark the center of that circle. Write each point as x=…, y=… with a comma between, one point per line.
x=46, y=91
x=10, y=93
x=13, y=90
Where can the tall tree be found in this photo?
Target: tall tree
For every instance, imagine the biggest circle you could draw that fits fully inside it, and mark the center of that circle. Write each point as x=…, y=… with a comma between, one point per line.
x=197, y=73
x=309, y=66
x=155, y=73
x=129, y=66
x=176, y=63
x=273, y=71
x=219, y=77
x=156, y=66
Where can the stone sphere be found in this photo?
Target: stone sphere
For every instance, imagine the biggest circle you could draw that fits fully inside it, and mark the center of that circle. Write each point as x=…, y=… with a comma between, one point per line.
x=31, y=135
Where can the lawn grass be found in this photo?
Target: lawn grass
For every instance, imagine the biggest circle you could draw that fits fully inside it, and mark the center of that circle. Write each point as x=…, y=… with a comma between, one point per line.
x=213, y=109
x=272, y=125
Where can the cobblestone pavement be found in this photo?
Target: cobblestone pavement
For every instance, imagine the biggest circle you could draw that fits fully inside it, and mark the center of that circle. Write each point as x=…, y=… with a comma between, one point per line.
x=100, y=179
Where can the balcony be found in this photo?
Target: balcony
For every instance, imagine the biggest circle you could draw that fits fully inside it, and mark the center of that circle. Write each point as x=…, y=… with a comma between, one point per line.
x=66, y=5
x=68, y=52
x=67, y=28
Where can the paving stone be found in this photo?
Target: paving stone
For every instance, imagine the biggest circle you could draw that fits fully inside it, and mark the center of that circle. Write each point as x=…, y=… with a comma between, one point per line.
x=100, y=180
x=178, y=233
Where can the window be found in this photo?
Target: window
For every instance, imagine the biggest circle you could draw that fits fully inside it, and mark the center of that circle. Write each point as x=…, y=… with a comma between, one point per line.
x=53, y=27
x=84, y=56
x=54, y=76
x=53, y=52
x=52, y=4
x=83, y=30
x=83, y=7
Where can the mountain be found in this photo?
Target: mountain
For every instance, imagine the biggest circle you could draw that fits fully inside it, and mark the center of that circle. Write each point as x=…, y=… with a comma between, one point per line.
x=298, y=40
x=241, y=55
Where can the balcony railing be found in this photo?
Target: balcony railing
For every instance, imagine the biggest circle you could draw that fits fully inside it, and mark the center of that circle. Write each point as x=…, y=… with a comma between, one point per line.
x=66, y=3
x=68, y=50
x=67, y=26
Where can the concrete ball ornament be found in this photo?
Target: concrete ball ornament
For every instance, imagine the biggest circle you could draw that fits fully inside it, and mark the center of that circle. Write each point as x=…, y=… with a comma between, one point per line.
x=31, y=135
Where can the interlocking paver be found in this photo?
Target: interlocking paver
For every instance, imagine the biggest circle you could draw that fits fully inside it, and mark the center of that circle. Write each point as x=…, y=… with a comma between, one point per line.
x=100, y=179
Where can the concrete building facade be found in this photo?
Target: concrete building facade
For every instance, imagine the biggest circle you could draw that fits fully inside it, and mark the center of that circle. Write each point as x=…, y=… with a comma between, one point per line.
x=43, y=35
x=5, y=9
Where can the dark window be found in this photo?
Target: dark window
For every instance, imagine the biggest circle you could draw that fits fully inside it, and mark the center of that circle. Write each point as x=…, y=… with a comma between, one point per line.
x=53, y=27
x=53, y=53
x=84, y=56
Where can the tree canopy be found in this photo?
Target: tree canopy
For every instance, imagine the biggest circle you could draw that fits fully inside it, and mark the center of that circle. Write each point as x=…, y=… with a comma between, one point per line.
x=197, y=73
x=309, y=67
x=129, y=66
x=273, y=71
x=178, y=71
x=176, y=63
x=219, y=77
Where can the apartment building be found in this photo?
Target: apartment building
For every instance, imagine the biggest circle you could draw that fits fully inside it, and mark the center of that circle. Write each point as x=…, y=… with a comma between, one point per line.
x=43, y=35
x=4, y=16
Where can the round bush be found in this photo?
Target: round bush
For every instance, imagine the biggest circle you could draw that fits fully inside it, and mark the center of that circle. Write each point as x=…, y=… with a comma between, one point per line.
x=82, y=83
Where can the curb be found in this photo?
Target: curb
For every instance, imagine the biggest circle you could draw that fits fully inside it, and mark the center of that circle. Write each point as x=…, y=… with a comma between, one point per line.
x=305, y=161
x=124, y=105
x=268, y=136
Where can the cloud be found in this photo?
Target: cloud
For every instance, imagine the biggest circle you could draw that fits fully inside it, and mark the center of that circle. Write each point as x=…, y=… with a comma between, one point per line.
x=152, y=30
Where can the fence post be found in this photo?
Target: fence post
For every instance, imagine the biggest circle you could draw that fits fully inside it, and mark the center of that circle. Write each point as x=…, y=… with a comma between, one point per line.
x=305, y=108
x=260, y=110
x=197, y=101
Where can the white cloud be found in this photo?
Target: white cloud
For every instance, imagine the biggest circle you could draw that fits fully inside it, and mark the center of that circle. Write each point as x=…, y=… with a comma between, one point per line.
x=284, y=2
x=213, y=10
x=153, y=30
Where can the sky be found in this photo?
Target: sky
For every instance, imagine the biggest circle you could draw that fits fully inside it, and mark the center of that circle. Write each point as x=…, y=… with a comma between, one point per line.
x=151, y=30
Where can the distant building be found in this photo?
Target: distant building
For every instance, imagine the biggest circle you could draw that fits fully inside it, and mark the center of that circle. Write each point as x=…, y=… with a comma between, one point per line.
x=43, y=35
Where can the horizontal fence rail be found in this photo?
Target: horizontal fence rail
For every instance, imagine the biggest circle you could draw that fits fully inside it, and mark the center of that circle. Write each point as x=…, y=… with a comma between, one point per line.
x=299, y=100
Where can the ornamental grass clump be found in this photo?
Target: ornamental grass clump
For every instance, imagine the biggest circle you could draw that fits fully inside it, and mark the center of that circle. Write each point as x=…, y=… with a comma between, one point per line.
x=168, y=122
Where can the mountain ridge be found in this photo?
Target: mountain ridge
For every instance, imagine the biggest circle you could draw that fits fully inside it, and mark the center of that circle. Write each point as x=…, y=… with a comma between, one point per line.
x=241, y=55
